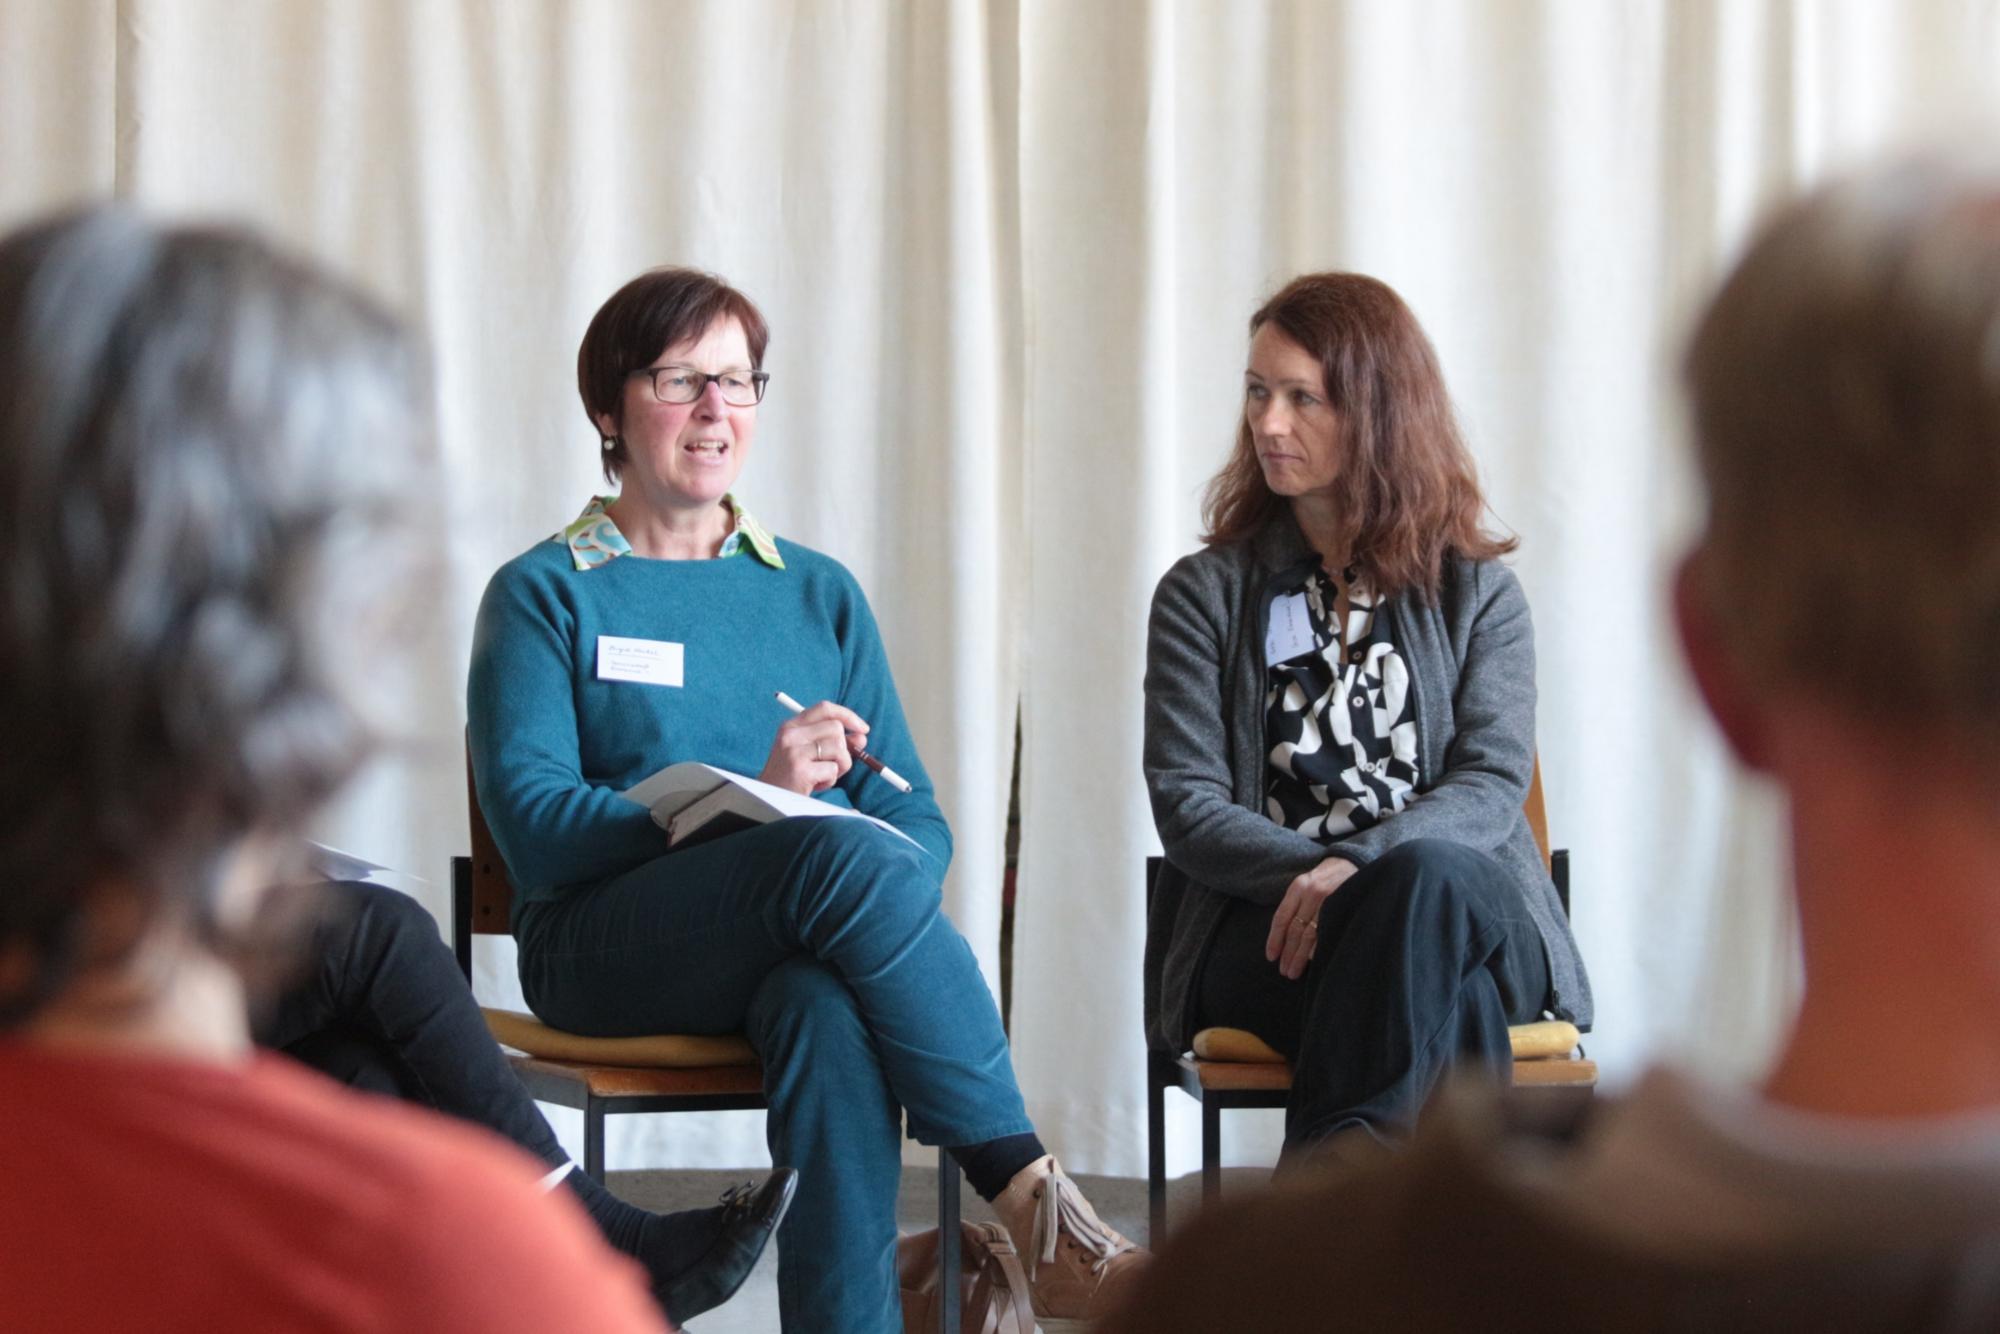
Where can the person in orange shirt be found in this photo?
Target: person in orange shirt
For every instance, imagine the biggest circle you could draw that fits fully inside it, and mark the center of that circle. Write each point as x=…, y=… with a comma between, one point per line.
x=199, y=436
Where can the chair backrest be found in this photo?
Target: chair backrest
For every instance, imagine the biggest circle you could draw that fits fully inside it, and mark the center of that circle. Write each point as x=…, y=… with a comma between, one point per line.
x=1538, y=814
x=492, y=893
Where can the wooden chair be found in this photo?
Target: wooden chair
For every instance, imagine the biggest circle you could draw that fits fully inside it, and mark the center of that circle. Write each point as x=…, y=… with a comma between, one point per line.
x=600, y=1077
x=1228, y=1068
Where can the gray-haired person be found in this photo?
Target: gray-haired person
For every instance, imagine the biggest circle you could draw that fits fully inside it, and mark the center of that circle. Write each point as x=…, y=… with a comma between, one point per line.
x=206, y=487
x=1840, y=610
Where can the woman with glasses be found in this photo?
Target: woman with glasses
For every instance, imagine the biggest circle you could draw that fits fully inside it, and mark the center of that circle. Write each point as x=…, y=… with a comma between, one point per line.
x=1340, y=733
x=658, y=627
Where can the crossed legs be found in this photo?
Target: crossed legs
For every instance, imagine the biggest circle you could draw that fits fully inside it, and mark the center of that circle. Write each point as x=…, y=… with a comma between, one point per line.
x=824, y=941
x=1425, y=956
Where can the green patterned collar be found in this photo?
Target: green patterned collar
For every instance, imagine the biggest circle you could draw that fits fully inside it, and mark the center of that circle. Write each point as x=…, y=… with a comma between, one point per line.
x=594, y=540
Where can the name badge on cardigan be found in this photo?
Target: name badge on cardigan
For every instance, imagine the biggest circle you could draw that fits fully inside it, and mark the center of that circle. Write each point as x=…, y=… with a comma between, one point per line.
x=1289, y=632
x=650, y=662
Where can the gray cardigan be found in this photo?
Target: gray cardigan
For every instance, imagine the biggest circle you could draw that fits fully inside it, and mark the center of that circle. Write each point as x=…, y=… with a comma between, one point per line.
x=1472, y=685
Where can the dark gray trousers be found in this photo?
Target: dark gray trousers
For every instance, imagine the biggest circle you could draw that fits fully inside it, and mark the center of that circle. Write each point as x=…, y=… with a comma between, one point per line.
x=1425, y=956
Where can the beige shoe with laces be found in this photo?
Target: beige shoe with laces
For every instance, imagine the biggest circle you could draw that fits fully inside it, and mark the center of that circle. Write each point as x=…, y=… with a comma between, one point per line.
x=1079, y=1267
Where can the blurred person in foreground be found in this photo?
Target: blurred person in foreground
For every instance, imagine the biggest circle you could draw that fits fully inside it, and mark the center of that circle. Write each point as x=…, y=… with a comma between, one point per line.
x=1840, y=612
x=203, y=444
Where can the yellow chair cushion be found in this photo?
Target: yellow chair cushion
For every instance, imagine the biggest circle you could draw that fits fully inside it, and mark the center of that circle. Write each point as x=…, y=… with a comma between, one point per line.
x=1538, y=1041
x=524, y=1032
x=1234, y=1044
x=1542, y=1041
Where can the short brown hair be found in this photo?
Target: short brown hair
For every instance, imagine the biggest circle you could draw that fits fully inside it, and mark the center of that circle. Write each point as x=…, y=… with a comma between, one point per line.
x=1408, y=490
x=651, y=313
x=1845, y=387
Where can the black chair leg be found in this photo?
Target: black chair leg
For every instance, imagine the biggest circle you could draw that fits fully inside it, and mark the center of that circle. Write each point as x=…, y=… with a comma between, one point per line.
x=461, y=914
x=1156, y=1153
x=593, y=1139
x=948, y=1313
x=1211, y=1151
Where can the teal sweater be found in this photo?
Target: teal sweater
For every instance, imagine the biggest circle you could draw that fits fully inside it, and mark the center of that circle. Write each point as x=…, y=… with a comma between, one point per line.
x=552, y=746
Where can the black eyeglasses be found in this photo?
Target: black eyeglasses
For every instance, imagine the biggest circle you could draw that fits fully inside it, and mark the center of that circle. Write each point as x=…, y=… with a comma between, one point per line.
x=681, y=384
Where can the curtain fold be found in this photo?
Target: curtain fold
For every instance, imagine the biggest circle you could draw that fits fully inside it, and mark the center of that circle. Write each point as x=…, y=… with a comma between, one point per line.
x=1008, y=250
x=1552, y=187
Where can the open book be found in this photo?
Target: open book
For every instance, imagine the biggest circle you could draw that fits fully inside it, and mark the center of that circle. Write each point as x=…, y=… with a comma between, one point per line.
x=695, y=802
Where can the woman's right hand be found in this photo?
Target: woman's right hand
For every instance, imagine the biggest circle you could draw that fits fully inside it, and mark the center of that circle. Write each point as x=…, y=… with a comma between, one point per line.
x=1295, y=925
x=814, y=749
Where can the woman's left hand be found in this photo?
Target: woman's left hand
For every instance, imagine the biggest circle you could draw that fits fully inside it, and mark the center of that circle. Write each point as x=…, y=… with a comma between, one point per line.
x=1295, y=925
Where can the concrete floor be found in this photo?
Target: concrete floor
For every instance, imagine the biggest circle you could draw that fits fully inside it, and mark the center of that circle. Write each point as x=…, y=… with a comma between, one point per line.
x=1121, y=1201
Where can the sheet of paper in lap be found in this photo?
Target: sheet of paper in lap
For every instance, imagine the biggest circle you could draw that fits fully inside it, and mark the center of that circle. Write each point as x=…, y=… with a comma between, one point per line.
x=695, y=802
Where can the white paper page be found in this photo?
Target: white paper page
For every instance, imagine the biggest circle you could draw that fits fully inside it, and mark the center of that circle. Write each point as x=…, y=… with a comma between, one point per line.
x=791, y=803
x=335, y=864
x=677, y=786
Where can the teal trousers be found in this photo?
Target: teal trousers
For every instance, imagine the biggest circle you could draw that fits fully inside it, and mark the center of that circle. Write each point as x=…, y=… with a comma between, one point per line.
x=823, y=941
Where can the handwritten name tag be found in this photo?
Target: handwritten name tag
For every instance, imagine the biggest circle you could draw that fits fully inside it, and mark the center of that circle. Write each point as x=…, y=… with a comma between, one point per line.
x=651, y=662
x=1289, y=632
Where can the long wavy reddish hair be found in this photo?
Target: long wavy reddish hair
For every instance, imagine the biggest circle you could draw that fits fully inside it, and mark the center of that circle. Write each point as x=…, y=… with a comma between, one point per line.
x=1407, y=490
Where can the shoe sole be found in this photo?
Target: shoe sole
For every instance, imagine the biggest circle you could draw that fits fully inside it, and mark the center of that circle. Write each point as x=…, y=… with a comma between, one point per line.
x=785, y=1201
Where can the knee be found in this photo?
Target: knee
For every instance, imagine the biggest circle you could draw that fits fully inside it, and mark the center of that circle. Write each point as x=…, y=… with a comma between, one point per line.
x=859, y=842
x=1428, y=876
x=853, y=856
x=378, y=912
x=1432, y=858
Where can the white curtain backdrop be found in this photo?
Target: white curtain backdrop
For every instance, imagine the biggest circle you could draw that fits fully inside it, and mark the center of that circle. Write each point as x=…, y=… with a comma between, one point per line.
x=1008, y=250
x=1551, y=186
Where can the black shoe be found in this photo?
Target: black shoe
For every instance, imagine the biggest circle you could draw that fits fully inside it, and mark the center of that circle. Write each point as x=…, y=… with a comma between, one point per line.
x=750, y=1214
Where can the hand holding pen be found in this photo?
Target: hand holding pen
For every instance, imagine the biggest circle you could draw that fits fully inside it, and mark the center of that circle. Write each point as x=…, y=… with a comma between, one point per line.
x=836, y=751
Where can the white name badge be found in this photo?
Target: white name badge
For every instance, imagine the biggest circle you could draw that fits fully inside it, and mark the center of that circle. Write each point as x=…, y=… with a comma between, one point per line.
x=650, y=662
x=1289, y=632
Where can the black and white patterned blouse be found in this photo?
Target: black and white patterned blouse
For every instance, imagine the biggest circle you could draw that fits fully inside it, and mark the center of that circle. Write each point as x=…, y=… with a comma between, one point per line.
x=1337, y=718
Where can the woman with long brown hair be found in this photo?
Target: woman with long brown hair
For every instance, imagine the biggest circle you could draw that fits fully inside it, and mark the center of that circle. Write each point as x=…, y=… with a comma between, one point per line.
x=1340, y=732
